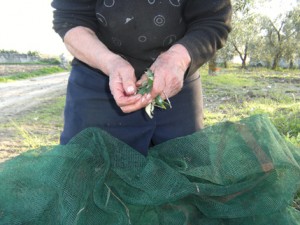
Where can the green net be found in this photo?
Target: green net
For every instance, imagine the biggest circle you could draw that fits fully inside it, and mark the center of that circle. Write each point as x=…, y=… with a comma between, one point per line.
x=239, y=173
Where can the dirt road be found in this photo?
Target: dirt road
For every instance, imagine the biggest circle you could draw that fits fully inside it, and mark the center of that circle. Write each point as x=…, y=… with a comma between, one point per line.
x=18, y=97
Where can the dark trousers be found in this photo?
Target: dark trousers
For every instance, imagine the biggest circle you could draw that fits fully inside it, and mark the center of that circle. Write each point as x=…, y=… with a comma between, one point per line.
x=89, y=103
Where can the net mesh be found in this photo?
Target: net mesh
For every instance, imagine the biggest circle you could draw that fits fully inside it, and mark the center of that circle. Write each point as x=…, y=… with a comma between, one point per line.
x=237, y=173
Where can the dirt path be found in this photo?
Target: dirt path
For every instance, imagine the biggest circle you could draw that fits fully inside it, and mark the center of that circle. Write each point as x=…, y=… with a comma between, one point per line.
x=20, y=96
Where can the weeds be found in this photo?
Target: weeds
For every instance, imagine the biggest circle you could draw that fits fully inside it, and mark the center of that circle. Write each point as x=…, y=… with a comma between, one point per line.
x=239, y=94
x=232, y=95
x=29, y=138
x=40, y=127
x=36, y=73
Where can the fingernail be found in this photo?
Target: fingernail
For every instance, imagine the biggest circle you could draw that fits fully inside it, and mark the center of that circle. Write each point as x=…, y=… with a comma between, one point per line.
x=130, y=89
x=148, y=97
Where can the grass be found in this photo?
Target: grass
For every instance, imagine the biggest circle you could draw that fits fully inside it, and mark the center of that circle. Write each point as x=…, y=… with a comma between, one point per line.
x=240, y=94
x=47, y=121
x=231, y=95
x=40, y=127
x=36, y=73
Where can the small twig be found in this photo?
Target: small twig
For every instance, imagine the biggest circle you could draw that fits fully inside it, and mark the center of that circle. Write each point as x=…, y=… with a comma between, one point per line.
x=145, y=88
x=294, y=98
x=169, y=103
x=107, y=199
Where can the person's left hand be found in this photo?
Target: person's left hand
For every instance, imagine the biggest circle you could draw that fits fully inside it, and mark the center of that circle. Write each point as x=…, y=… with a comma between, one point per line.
x=169, y=69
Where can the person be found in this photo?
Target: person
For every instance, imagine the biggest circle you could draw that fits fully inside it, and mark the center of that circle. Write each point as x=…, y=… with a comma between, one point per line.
x=114, y=42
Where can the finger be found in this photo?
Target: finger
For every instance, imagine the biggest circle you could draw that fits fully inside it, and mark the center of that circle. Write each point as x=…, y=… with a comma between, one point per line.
x=136, y=106
x=121, y=98
x=142, y=80
x=129, y=84
x=124, y=101
x=158, y=84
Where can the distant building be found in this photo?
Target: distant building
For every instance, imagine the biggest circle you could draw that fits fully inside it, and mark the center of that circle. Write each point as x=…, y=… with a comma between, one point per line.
x=7, y=57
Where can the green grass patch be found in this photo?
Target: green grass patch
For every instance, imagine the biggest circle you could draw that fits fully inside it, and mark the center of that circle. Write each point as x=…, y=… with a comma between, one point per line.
x=40, y=127
x=228, y=80
x=255, y=92
x=231, y=95
x=36, y=73
x=285, y=116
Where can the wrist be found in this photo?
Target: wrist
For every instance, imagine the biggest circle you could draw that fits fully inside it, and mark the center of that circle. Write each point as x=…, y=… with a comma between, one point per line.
x=181, y=55
x=107, y=62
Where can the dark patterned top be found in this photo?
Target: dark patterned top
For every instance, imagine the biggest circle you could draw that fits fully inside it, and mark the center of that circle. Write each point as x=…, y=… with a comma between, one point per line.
x=140, y=30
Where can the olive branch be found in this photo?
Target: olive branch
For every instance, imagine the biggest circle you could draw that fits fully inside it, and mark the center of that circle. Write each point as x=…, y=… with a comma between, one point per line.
x=146, y=88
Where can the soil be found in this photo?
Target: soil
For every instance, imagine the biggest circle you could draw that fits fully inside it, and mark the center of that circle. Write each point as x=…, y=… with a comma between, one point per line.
x=24, y=96
x=20, y=96
x=12, y=69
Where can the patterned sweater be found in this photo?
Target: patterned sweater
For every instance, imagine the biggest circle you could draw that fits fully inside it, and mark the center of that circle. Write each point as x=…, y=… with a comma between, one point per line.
x=140, y=30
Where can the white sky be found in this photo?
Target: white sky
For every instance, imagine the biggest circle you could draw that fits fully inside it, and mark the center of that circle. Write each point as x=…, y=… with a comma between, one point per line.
x=26, y=25
x=272, y=8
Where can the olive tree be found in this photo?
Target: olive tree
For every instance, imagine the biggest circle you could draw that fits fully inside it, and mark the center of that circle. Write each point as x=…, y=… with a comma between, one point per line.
x=243, y=32
x=281, y=37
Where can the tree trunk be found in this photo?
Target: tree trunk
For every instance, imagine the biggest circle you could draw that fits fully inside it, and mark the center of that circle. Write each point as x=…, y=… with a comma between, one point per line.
x=244, y=58
x=212, y=66
x=244, y=64
x=225, y=64
x=291, y=66
x=275, y=61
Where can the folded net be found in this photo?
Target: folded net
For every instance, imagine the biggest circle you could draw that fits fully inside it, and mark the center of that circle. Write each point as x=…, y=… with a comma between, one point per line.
x=235, y=173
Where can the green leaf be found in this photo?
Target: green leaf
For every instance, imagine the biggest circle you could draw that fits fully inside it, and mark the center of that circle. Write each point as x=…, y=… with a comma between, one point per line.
x=146, y=88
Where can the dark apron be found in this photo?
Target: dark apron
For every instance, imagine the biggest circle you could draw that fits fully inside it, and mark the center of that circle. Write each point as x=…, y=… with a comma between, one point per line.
x=89, y=103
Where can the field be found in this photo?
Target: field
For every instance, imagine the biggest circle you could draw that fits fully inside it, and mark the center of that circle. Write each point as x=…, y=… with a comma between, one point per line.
x=231, y=95
x=13, y=72
x=235, y=94
x=23, y=101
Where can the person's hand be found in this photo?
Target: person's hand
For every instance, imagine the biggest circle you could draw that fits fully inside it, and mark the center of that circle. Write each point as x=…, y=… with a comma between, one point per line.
x=122, y=83
x=169, y=69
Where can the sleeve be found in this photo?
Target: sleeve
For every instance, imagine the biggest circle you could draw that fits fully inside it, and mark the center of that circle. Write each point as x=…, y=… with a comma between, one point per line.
x=208, y=25
x=68, y=14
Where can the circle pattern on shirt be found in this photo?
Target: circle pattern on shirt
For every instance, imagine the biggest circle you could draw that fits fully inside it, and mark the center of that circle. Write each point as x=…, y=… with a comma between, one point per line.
x=175, y=2
x=151, y=2
x=116, y=41
x=109, y=3
x=101, y=19
x=159, y=20
x=169, y=40
x=142, y=38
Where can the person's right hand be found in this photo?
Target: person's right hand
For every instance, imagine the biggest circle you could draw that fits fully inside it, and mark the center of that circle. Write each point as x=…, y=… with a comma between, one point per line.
x=122, y=83
x=84, y=44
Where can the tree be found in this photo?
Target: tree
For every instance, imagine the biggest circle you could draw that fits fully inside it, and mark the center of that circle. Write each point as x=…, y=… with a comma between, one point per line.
x=262, y=38
x=243, y=33
x=245, y=30
x=292, y=29
x=225, y=54
x=281, y=35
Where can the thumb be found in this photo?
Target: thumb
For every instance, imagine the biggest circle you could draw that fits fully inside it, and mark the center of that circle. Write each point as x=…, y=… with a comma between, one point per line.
x=129, y=84
x=143, y=79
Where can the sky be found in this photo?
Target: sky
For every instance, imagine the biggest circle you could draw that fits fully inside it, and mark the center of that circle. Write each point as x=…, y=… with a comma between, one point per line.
x=272, y=8
x=26, y=25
